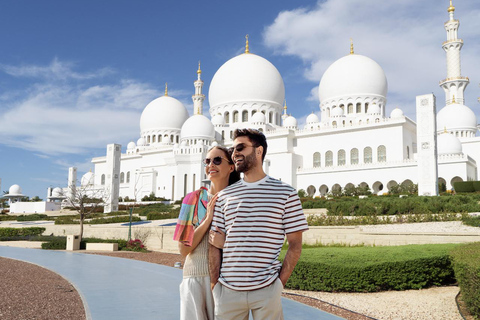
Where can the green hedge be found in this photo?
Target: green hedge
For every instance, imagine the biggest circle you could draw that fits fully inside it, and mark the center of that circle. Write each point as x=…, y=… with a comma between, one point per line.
x=159, y=215
x=466, y=263
x=370, y=269
x=390, y=205
x=471, y=221
x=476, y=185
x=32, y=217
x=60, y=243
x=464, y=186
x=113, y=220
x=20, y=232
x=153, y=208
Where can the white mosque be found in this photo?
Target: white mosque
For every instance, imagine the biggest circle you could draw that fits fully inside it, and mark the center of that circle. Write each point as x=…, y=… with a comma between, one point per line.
x=354, y=143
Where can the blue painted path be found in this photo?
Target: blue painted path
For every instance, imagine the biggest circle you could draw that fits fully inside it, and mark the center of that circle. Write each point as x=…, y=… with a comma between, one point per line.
x=116, y=288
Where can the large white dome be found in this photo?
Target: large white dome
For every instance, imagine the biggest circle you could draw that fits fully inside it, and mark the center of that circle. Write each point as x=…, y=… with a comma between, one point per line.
x=198, y=127
x=456, y=117
x=15, y=190
x=448, y=144
x=246, y=78
x=88, y=179
x=353, y=75
x=163, y=113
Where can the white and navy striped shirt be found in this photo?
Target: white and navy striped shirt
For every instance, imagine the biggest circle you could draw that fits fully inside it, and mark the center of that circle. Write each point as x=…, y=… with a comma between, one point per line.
x=256, y=217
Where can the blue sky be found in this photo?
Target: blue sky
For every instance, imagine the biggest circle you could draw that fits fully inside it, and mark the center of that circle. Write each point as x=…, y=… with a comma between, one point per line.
x=76, y=75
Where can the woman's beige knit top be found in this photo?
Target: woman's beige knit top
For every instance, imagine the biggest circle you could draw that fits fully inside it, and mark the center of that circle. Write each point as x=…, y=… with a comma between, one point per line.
x=196, y=262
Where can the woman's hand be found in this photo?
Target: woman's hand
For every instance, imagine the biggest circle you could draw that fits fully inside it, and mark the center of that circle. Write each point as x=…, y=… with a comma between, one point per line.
x=216, y=238
x=211, y=208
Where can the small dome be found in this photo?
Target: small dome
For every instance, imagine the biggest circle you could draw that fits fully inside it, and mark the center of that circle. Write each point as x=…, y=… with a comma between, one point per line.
x=258, y=117
x=218, y=120
x=337, y=112
x=57, y=192
x=374, y=109
x=290, y=122
x=163, y=113
x=245, y=78
x=214, y=144
x=131, y=145
x=15, y=190
x=312, y=118
x=353, y=75
x=198, y=127
x=448, y=144
x=396, y=113
x=456, y=117
x=88, y=179
x=141, y=142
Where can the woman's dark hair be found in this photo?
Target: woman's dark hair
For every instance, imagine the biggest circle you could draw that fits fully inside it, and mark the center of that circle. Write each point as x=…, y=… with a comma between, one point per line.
x=234, y=175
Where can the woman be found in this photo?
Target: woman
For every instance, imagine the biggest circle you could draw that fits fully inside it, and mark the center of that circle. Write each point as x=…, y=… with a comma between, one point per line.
x=192, y=235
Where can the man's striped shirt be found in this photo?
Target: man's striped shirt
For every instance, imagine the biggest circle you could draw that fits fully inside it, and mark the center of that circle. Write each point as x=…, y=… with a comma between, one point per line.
x=256, y=217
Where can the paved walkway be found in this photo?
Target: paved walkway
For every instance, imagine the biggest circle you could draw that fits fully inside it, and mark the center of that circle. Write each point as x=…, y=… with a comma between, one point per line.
x=115, y=288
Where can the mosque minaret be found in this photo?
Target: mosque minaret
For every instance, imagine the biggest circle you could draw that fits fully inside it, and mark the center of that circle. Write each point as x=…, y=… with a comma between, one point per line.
x=454, y=85
x=198, y=97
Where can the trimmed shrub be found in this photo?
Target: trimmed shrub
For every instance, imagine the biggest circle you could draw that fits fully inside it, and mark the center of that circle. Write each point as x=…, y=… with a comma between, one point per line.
x=467, y=271
x=471, y=221
x=135, y=245
x=476, y=185
x=113, y=220
x=464, y=186
x=160, y=215
x=32, y=217
x=20, y=232
x=59, y=243
x=370, y=269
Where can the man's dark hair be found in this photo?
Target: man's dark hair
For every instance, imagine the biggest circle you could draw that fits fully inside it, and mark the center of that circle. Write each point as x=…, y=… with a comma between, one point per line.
x=256, y=137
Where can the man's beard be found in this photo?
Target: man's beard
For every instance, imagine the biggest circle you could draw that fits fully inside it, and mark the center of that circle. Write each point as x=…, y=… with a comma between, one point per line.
x=247, y=164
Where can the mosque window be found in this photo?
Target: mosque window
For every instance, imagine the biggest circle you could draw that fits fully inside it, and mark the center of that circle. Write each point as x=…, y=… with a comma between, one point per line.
x=270, y=117
x=227, y=117
x=253, y=112
x=334, y=124
x=223, y=134
x=102, y=181
x=171, y=138
x=377, y=120
x=329, y=159
x=316, y=160
x=128, y=177
x=176, y=139
x=153, y=139
x=359, y=108
x=382, y=154
x=341, y=157
x=367, y=155
x=231, y=134
x=235, y=116
x=122, y=177
x=366, y=107
x=159, y=138
x=244, y=116
x=148, y=139
x=408, y=152
x=342, y=107
x=354, y=156
x=350, y=108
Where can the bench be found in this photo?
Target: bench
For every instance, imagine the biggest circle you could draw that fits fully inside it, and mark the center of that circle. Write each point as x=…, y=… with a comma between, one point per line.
x=102, y=246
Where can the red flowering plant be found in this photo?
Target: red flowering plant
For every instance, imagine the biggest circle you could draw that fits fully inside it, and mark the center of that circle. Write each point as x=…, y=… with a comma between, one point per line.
x=135, y=245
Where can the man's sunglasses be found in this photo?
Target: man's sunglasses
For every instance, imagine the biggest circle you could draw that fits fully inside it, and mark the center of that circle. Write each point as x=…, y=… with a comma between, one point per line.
x=239, y=147
x=216, y=161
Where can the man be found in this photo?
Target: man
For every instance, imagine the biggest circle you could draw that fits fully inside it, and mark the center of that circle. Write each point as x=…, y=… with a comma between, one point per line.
x=255, y=213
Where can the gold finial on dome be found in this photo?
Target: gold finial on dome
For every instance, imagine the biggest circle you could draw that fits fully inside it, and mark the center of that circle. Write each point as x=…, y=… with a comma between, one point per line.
x=351, y=46
x=451, y=8
x=166, y=89
x=285, y=106
x=199, y=71
x=453, y=99
x=246, y=44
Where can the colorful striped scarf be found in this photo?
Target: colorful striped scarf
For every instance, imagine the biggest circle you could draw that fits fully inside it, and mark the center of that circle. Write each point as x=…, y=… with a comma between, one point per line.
x=192, y=213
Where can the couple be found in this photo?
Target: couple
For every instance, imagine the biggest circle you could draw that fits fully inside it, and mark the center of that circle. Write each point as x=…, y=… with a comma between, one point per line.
x=249, y=220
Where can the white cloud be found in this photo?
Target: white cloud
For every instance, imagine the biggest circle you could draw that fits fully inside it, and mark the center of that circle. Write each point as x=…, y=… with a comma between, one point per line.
x=57, y=70
x=404, y=37
x=55, y=118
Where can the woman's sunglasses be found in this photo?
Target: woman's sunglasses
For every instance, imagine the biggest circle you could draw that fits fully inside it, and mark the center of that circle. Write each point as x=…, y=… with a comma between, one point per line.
x=216, y=161
x=239, y=147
